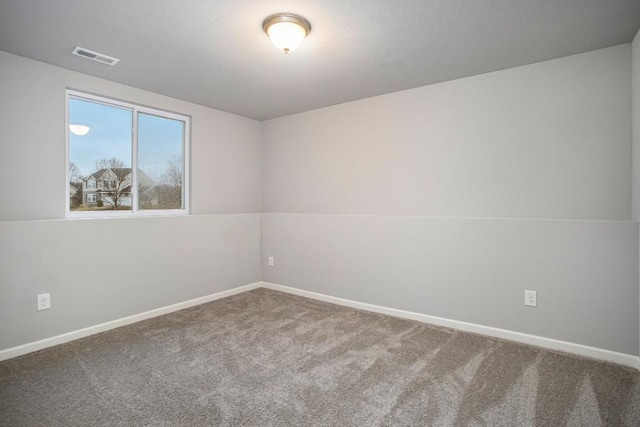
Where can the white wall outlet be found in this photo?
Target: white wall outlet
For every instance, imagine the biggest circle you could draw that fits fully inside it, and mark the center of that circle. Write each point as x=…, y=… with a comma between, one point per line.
x=271, y=262
x=44, y=302
x=530, y=298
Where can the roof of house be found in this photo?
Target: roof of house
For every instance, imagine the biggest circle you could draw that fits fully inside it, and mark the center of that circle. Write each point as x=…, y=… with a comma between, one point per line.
x=117, y=171
x=122, y=172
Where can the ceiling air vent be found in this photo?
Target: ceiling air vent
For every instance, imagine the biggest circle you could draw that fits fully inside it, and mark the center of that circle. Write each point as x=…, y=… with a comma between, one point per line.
x=94, y=56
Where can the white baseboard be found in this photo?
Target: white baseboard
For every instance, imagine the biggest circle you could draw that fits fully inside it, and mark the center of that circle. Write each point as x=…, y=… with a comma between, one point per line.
x=91, y=330
x=549, y=343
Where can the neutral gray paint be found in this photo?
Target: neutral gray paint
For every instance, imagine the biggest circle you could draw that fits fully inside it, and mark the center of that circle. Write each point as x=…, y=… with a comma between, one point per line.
x=549, y=140
x=224, y=147
x=635, y=78
x=215, y=53
x=102, y=270
x=105, y=269
x=636, y=134
x=472, y=270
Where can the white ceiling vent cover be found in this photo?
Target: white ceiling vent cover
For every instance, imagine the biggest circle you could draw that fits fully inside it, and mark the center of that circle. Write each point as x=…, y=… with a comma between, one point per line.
x=95, y=56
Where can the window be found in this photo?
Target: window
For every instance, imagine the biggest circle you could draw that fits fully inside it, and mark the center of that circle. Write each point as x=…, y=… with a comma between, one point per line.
x=127, y=159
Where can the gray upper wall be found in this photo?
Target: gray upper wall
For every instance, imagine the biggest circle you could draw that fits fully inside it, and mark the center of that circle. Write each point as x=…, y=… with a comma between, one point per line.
x=635, y=112
x=225, y=147
x=534, y=141
x=636, y=126
x=548, y=140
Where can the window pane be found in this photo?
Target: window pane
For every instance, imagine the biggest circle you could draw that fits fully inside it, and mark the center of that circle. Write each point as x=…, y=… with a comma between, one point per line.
x=99, y=156
x=111, y=168
x=160, y=162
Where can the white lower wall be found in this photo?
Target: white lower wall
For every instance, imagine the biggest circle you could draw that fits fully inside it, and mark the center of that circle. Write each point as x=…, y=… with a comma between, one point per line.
x=102, y=270
x=471, y=270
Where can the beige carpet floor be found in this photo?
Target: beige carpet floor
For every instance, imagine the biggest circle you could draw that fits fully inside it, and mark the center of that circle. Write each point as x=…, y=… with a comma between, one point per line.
x=264, y=358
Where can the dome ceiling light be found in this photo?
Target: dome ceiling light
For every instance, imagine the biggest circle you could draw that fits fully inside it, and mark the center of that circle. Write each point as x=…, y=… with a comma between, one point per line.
x=286, y=30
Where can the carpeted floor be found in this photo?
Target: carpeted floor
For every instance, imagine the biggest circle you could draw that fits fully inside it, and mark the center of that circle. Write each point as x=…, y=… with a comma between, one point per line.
x=264, y=358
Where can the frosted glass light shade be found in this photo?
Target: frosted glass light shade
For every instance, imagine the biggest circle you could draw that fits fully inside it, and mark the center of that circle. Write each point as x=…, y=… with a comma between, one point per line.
x=286, y=35
x=80, y=130
x=286, y=31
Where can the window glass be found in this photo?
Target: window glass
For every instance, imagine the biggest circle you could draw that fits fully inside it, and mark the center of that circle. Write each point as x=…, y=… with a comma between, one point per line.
x=160, y=162
x=124, y=157
x=104, y=150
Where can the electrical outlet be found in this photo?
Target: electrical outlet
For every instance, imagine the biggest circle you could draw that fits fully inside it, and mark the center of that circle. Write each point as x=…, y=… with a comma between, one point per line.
x=271, y=262
x=44, y=302
x=530, y=298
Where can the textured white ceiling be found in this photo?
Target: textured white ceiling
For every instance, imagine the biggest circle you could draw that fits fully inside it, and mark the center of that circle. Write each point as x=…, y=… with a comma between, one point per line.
x=214, y=53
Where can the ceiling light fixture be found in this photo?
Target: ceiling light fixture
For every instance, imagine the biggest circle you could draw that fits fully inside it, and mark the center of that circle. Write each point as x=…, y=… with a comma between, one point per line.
x=80, y=130
x=286, y=30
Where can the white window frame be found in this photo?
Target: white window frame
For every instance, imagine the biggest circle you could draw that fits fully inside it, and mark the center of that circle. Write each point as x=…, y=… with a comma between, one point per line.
x=95, y=199
x=135, y=109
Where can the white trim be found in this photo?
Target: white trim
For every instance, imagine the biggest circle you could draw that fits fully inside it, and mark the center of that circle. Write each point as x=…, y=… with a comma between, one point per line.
x=67, y=197
x=134, y=161
x=186, y=167
x=91, y=330
x=126, y=213
x=549, y=343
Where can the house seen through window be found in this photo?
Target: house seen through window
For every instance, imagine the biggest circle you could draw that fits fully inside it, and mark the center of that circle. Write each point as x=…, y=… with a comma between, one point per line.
x=125, y=158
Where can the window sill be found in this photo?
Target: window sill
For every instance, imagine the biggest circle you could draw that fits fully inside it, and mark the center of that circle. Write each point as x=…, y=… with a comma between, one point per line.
x=126, y=214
